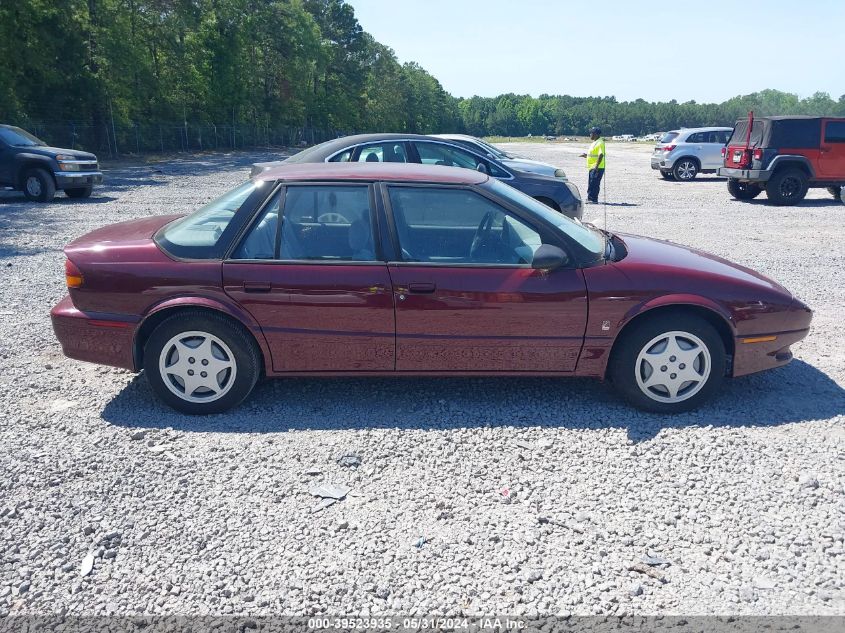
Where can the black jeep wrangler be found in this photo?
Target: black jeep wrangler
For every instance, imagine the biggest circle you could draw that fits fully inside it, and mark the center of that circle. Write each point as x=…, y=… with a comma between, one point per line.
x=27, y=164
x=785, y=156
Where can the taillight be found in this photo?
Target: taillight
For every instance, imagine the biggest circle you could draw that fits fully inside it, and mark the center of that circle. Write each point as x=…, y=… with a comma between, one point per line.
x=724, y=152
x=73, y=276
x=669, y=148
x=758, y=154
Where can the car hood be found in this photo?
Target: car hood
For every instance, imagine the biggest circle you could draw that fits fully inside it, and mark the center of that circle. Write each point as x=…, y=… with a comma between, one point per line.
x=122, y=234
x=52, y=152
x=531, y=166
x=688, y=265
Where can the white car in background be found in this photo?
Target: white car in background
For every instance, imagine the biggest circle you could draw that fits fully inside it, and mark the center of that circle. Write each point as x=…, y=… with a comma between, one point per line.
x=509, y=160
x=685, y=153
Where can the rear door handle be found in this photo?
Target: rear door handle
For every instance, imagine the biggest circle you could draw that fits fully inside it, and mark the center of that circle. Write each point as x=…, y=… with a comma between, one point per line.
x=257, y=286
x=422, y=287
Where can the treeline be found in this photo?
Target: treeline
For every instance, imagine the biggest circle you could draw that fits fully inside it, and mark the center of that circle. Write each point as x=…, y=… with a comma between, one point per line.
x=261, y=62
x=114, y=64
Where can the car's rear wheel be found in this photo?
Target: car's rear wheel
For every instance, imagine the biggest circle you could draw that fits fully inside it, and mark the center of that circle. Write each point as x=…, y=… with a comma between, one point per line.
x=669, y=363
x=668, y=175
x=788, y=186
x=201, y=363
x=743, y=190
x=685, y=169
x=79, y=192
x=38, y=185
x=836, y=192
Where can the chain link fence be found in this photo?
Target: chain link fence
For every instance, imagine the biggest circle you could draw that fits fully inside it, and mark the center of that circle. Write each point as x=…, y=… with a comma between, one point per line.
x=117, y=139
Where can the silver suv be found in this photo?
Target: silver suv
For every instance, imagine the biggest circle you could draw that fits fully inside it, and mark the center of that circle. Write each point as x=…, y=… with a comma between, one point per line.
x=685, y=153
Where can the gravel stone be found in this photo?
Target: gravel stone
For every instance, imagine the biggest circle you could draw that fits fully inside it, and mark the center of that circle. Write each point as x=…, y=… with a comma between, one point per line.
x=224, y=512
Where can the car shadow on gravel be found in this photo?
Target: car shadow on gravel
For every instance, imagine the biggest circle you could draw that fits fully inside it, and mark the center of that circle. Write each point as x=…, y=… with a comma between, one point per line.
x=795, y=393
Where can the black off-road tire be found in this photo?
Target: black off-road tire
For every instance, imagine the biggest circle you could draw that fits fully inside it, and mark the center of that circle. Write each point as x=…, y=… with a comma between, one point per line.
x=743, y=190
x=247, y=358
x=38, y=185
x=622, y=367
x=787, y=187
x=79, y=192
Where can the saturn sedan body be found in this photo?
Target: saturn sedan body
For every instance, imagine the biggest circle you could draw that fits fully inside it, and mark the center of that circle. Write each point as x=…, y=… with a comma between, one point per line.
x=395, y=269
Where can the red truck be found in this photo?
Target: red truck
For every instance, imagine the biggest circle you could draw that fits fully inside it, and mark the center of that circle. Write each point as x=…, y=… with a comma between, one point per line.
x=785, y=156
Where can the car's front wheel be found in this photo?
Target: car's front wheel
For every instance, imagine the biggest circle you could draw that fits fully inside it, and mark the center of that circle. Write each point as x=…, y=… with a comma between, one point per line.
x=743, y=190
x=79, y=192
x=668, y=364
x=38, y=185
x=685, y=169
x=201, y=363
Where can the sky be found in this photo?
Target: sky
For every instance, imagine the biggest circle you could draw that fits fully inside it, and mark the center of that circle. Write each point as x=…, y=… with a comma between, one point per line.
x=703, y=51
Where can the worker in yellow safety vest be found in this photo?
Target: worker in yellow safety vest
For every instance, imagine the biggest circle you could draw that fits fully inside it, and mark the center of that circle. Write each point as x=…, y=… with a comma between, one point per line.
x=595, y=165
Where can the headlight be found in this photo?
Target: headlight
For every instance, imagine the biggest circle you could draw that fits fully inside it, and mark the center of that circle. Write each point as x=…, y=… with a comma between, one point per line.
x=68, y=166
x=559, y=173
x=573, y=190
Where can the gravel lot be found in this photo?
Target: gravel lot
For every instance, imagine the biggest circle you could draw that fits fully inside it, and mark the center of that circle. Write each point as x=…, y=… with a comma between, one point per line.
x=474, y=495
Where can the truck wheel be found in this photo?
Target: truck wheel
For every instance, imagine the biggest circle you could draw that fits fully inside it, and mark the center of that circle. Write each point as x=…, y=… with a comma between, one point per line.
x=743, y=190
x=79, y=192
x=38, y=185
x=786, y=187
x=685, y=169
x=836, y=192
x=667, y=175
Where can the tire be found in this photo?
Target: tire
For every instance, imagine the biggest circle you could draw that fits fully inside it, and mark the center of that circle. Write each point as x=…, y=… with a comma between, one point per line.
x=743, y=190
x=836, y=192
x=787, y=187
x=79, y=192
x=635, y=358
x=219, y=343
x=38, y=185
x=667, y=175
x=685, y=169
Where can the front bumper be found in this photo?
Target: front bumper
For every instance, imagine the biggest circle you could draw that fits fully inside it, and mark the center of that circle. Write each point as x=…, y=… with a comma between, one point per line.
x=757, y=175
x=105, y=339
x=758, y=352
x=70, y=179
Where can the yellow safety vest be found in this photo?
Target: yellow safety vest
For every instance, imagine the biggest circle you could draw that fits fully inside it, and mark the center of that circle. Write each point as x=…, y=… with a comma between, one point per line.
x=593, y=154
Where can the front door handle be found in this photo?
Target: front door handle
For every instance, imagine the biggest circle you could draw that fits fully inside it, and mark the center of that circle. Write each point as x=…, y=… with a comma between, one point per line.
x=257, y=286
x=422, y=287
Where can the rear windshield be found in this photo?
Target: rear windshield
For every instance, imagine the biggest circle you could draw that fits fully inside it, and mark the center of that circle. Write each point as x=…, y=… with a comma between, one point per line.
x=741, y=131
x=200, y=235
x=669, y=137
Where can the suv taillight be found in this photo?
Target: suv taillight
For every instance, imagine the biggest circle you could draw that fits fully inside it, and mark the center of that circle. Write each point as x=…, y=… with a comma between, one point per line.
x=73, y=276
x=669, y=148
x=758, y=154
x=724, y=152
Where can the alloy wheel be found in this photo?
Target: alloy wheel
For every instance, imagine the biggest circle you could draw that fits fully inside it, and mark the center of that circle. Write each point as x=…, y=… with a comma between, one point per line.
x=197, y=366
x=686, y=170
x=673, y=367
x=789, y=187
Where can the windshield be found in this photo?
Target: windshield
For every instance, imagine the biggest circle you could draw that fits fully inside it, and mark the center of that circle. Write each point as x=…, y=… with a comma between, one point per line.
x=493, y=150
x=17, y=137
x=196, y=235
x=589, y=239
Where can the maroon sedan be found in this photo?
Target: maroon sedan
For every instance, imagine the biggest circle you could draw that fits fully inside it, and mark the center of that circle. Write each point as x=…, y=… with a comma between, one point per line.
x=383, y=268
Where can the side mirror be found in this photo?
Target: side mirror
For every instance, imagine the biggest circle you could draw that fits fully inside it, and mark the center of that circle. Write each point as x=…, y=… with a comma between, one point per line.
x=549, y=257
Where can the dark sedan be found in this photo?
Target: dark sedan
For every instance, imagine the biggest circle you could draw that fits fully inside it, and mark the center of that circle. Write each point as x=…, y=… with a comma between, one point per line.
x=374, y=269
x=554, y=191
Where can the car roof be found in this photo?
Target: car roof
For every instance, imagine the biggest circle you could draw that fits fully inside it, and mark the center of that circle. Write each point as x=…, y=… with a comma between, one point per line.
x=705, y=129
x=394, y=172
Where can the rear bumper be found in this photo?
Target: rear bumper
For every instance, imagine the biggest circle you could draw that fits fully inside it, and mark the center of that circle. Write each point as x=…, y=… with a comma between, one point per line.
x=69, y=179
x=759, y=175
x=105, y=339
x=660, y=163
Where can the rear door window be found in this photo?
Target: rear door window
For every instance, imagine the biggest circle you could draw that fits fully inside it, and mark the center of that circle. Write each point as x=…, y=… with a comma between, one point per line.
x=834, y=132
x=388, y=152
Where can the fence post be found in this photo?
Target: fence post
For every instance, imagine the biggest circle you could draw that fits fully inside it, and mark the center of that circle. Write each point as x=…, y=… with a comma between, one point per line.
x=161, y=137
x=137, y=140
